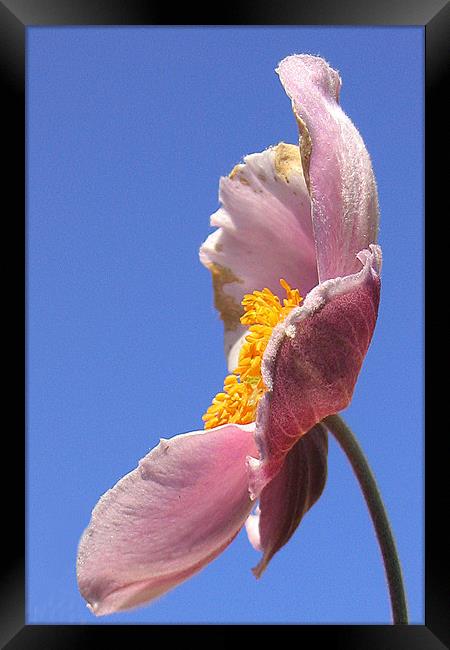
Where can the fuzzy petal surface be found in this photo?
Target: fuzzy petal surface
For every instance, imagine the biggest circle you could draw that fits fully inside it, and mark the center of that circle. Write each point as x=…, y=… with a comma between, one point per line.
x=287, y=498
x=312, y=362
x=336, y=164
x=165, y=520
x=264, y=233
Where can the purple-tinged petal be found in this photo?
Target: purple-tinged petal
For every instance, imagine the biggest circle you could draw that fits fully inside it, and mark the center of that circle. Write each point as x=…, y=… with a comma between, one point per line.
x=264, y=233
x=312, y=361
x=167, y=519
x=336, y=165
x=286, y=499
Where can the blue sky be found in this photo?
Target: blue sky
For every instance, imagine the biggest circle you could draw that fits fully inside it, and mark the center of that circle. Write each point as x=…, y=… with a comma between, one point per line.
x=128, y=132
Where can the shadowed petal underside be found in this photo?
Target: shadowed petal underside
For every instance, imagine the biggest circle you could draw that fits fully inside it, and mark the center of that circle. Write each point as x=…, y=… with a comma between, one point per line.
x=288, y=497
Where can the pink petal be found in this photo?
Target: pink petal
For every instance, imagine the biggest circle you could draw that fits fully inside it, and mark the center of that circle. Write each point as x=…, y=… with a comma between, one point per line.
x=312, y=361
x=265, y=233
x=286, y=499
x=167, y=519
x=342, y=184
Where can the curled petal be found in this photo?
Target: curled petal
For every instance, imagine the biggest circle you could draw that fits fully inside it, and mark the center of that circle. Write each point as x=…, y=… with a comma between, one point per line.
x=167, y=519
x=264, y=233
x=336, y=164
x=286, y=499
x=312, y=361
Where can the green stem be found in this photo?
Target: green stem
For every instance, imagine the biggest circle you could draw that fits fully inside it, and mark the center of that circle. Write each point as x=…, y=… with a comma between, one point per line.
x=355, y=455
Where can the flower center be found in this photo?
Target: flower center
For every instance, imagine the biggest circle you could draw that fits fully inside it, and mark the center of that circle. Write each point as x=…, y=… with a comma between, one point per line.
x=244, y=387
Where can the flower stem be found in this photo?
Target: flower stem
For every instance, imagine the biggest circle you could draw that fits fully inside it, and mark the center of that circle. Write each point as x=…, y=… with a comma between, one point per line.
x=336, y=425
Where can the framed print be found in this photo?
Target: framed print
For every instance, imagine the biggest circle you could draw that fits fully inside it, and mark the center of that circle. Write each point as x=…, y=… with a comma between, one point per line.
x=171, y=171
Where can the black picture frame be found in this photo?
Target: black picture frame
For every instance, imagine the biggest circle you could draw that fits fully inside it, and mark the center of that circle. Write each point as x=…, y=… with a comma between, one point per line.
x=15, y=17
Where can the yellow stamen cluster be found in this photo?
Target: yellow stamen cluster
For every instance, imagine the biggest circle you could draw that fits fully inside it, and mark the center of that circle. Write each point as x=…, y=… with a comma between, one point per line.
x=244, y=388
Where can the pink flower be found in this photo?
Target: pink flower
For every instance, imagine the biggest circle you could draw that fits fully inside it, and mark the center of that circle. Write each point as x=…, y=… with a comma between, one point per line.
x=305, y=215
